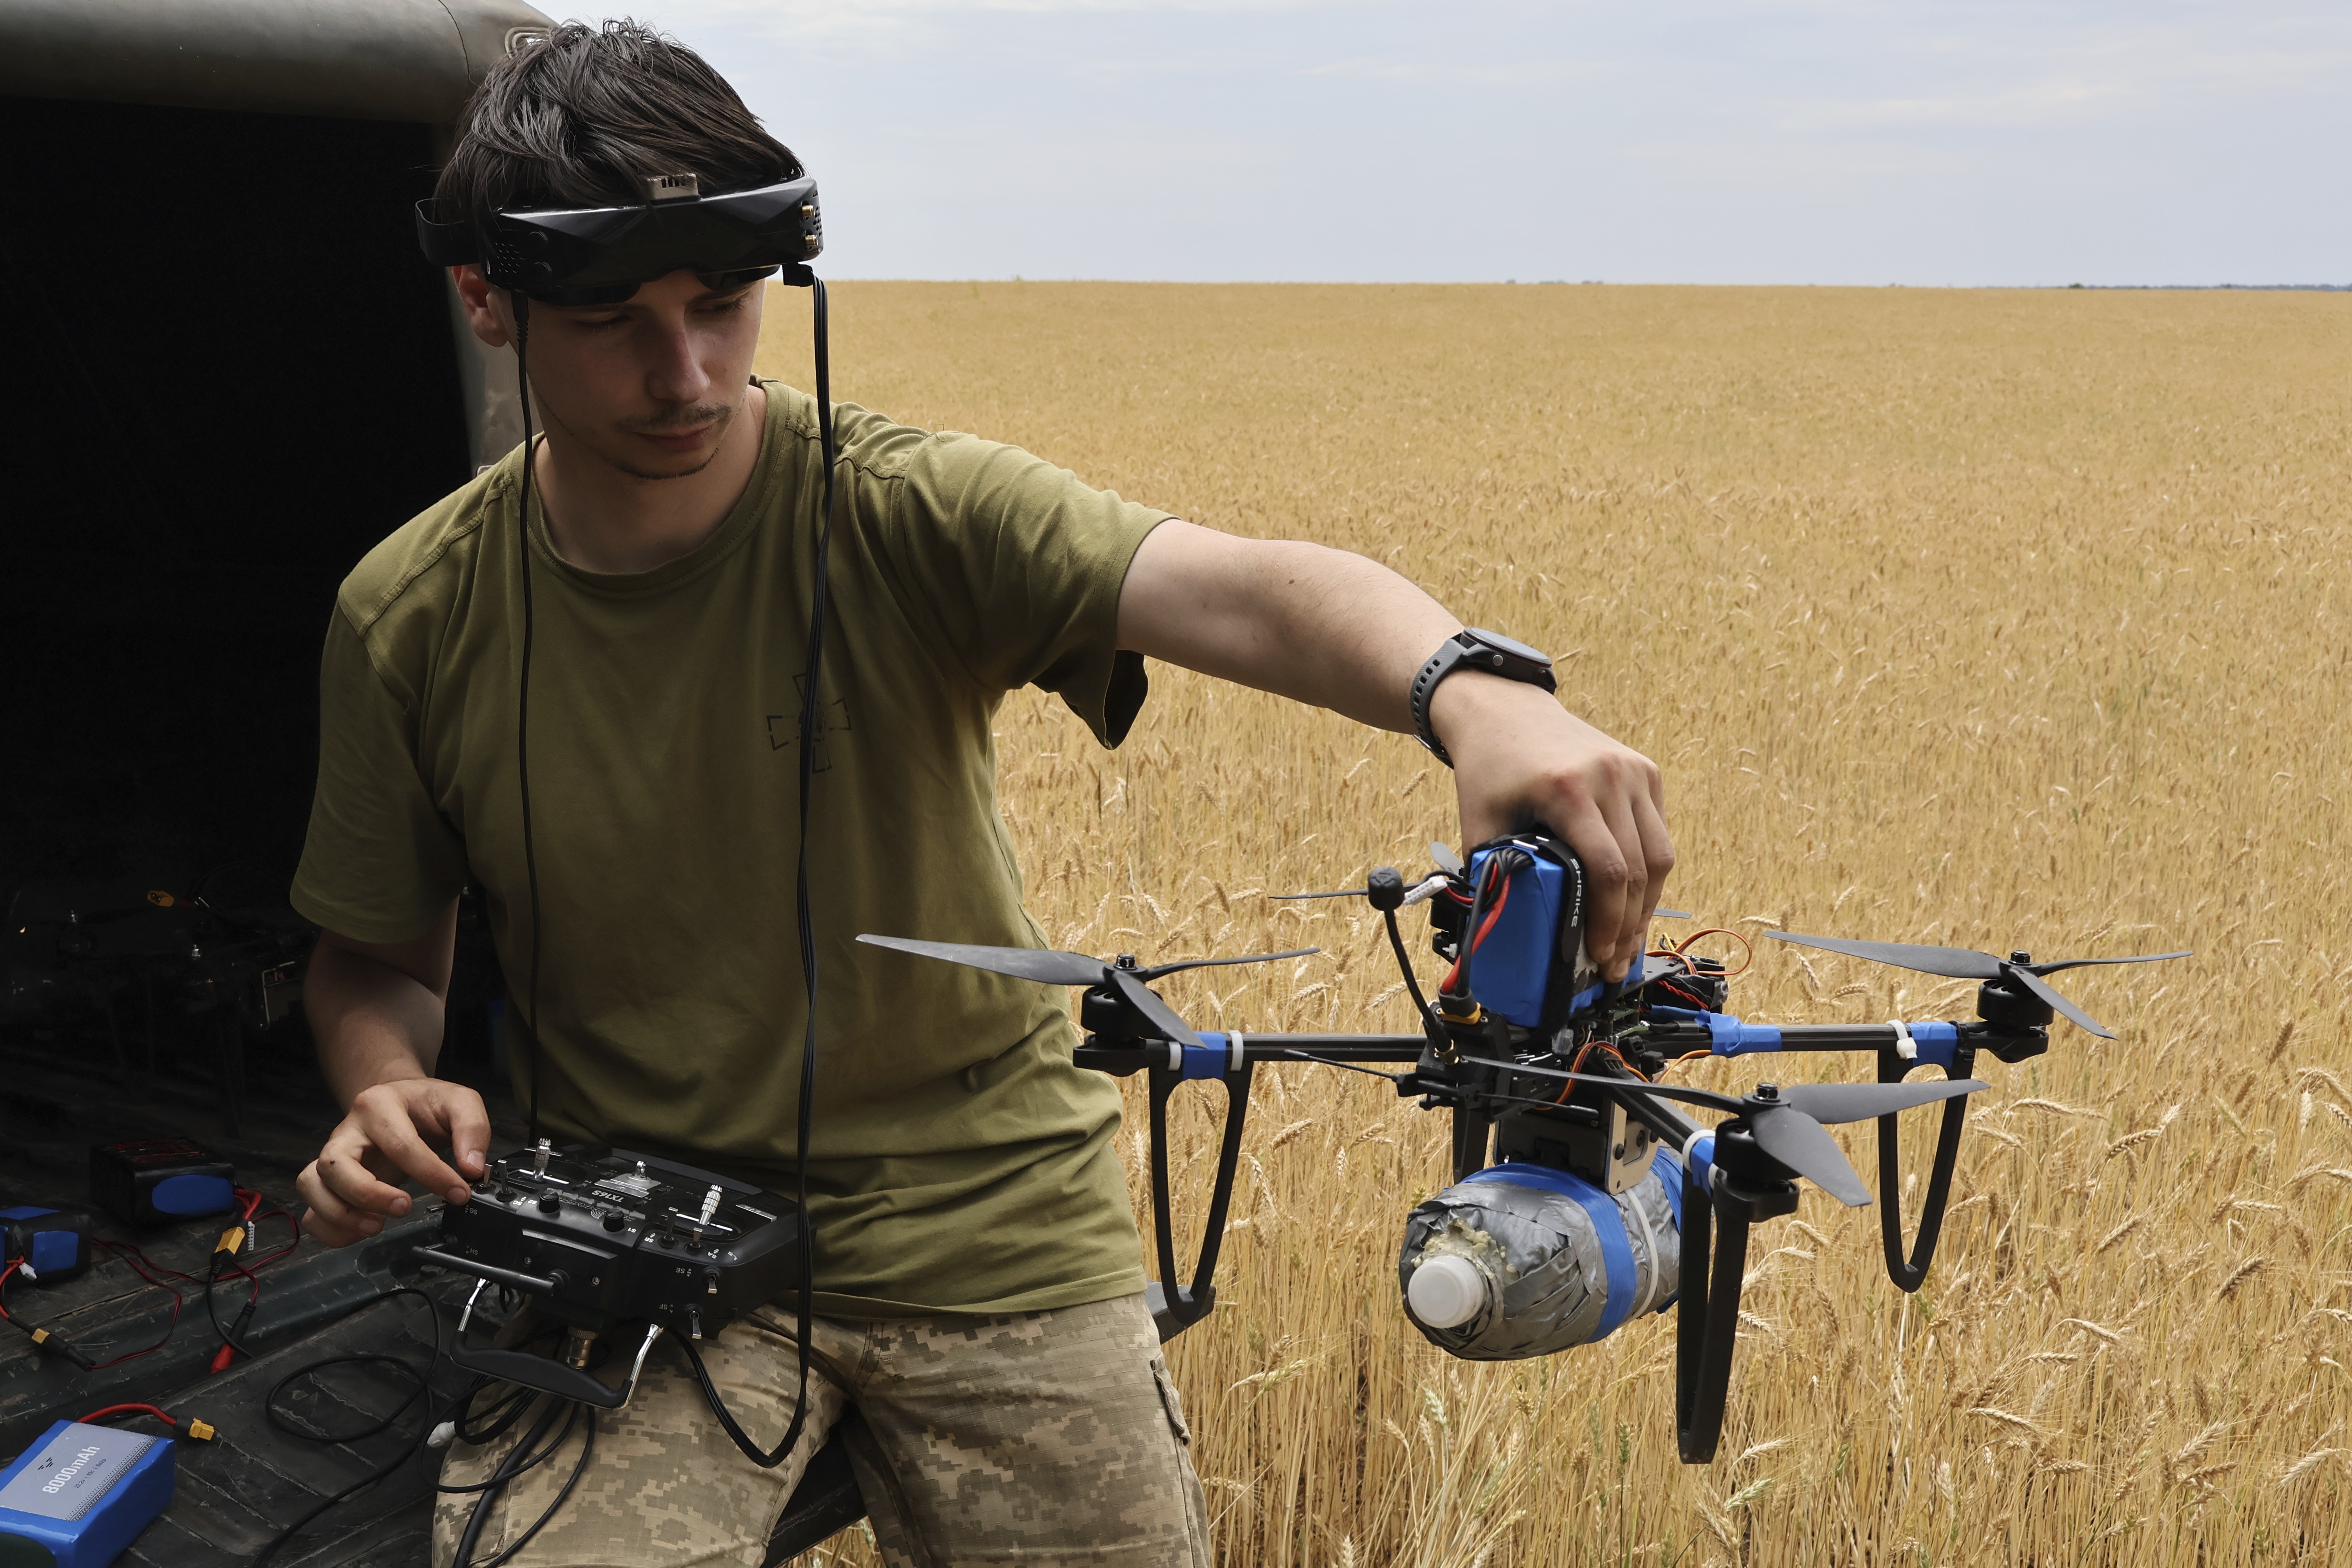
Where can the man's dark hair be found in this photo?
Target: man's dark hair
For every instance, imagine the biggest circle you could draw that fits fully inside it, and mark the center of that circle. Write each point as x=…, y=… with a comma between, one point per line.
x=586, y=117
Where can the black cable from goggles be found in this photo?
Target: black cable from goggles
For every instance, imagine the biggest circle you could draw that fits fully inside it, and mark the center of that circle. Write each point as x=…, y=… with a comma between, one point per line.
x=812, y=710
x=522, y=707
x=812, y=720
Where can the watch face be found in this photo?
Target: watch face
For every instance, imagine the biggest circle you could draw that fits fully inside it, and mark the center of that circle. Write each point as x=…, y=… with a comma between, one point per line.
x=1501, y=644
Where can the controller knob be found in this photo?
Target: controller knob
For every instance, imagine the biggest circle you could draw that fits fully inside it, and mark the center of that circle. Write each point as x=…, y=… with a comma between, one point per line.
x=614, y=1222
x=551, y=1204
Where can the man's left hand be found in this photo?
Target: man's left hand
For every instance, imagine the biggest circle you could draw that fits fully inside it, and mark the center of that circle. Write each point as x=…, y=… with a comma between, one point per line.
x=1519, y=757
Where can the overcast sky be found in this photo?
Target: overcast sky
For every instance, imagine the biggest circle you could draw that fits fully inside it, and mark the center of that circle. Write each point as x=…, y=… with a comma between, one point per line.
x=1865, y=142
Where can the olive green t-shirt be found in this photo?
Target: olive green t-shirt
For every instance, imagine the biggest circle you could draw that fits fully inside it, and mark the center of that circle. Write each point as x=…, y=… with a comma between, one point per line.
x=959, y=1161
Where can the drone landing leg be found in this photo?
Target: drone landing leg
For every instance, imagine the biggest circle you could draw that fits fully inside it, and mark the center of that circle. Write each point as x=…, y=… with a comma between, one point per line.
x=1911, y=1273
x=1175, y=1307
x=1707, y=1323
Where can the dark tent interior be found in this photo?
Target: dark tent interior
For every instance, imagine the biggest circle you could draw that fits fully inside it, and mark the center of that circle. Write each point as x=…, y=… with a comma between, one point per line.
x=231, y=373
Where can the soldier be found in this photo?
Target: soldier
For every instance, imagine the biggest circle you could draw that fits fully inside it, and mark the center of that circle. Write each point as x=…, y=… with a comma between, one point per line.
x=978, y=1285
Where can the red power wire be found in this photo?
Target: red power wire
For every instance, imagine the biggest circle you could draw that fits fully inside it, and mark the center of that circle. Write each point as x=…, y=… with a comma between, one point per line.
x=1494, y=913
x=202, y=1431
x=249, y=1213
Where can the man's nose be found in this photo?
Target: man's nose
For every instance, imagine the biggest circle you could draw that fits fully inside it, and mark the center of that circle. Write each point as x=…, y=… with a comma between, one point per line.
x=677, y=374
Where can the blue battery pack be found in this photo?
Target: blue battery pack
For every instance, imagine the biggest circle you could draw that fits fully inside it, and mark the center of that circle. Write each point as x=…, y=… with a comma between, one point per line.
x=75, y=1499
x=1509, y=971
x=52, y=1243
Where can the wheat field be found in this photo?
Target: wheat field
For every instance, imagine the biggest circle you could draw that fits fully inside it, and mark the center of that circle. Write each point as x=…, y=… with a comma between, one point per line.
x=2002, y=620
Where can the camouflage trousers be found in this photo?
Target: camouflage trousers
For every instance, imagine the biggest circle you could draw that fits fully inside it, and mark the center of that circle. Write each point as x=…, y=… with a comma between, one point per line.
x=1040, y=1438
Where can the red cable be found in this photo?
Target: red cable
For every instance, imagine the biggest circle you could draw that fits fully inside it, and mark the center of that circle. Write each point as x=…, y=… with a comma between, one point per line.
x=1494, y=913
x=194, y=1428
x=131, y=1409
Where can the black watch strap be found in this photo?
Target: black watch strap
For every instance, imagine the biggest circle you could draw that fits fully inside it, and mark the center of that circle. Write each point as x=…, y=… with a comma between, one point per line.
x=1488, y=652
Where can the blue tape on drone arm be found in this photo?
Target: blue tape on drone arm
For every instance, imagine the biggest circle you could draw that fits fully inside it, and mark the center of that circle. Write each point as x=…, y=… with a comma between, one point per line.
x=1211, y=1058
x=1608, y=1228
x=1734, y=1038
x=1701, y=1158
x=1727, y=1036
x=1936, y=1042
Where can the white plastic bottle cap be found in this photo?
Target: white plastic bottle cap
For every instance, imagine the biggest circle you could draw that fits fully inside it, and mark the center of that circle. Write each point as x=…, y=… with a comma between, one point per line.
x=1446, y=1291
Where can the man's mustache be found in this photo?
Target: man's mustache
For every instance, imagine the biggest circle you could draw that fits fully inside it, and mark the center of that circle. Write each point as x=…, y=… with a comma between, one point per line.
x=689, y=418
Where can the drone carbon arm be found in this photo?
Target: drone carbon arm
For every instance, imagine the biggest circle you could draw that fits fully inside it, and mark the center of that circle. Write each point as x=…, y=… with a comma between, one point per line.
x=1936, y=1042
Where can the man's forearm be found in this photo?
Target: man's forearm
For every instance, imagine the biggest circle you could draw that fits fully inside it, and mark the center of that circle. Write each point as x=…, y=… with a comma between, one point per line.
x=378, y=1011
x=1319, y=625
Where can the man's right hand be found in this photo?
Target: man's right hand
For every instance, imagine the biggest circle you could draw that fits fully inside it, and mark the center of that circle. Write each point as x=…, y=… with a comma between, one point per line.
x=390, y=1132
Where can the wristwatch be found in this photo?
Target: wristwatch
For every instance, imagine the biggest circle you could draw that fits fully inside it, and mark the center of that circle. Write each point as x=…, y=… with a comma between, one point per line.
x=1490, y=652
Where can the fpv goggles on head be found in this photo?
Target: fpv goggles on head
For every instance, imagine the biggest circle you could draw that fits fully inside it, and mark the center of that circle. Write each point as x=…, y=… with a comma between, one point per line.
x=599, y=256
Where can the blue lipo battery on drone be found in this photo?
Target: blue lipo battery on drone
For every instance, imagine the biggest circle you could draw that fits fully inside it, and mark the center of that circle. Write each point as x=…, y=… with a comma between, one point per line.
x=75, y=1499
x=1508, y=972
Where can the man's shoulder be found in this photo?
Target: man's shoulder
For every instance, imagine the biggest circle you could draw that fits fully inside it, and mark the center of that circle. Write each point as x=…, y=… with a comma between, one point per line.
x=879, y=446
x=420, y=566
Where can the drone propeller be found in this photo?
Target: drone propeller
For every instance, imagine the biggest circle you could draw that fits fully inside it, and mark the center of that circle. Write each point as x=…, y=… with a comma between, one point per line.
x=1447, y=860
x=1055, y=968
x=1021, y=962
x=1796, y=1141
x=1966, y=964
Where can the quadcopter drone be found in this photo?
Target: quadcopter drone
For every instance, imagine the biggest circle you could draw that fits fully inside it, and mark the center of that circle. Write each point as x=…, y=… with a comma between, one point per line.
x=1551, y=1075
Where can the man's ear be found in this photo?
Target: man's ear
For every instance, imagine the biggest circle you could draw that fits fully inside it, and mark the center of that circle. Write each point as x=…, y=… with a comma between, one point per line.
x=488, y=310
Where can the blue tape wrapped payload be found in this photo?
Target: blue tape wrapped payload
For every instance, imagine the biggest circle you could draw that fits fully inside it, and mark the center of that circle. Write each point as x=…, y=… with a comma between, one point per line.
x=1523, y=1260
